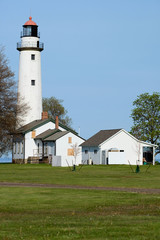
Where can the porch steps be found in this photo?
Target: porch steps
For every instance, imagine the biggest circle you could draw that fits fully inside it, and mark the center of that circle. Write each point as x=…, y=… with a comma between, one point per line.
x=33, y=160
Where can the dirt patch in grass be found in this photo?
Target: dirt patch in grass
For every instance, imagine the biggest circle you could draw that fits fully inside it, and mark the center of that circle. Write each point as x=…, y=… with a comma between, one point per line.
x=137, y=190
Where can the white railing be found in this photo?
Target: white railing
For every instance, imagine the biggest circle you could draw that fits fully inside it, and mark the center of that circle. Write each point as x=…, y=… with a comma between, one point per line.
x=37, y=153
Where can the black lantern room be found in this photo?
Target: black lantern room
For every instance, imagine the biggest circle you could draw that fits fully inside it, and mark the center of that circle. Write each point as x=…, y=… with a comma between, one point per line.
x=30, y=29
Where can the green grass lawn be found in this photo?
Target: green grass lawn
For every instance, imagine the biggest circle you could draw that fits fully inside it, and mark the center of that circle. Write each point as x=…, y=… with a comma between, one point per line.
x=46, y=214
x=116, y=176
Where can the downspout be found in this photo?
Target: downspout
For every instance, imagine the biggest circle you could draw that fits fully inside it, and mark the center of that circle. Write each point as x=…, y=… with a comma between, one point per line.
x=100, y=154
x=55, y=149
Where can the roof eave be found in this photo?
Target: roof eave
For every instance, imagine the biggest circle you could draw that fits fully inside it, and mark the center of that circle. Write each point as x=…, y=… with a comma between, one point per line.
x=56, y=130
x=150, y=144
x=64, y=133
x=50, y=120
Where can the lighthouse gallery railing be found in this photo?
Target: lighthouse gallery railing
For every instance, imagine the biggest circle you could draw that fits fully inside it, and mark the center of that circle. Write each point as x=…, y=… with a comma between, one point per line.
x=30, y=45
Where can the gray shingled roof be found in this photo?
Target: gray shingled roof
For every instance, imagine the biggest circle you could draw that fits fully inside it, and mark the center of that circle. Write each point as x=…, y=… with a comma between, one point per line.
x=30, y=126
x=47, y=133
x=55, y=136
x=99, y=138
x=35, y=124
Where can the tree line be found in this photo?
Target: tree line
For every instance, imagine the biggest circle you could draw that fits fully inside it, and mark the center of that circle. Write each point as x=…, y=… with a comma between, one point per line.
x=145, y=113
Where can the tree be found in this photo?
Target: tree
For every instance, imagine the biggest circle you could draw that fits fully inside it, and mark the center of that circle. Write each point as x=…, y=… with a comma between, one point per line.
x=8, y=104
x=146, y=118
x=55, y=108
x=76, y=151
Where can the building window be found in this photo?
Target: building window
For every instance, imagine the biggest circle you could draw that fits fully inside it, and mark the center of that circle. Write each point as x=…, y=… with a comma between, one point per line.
x=33, y=82
x=32, y=56
x=27, y=31
x=95, y=151
x=70, y=152
x=38, y=148
x=70, y=140
x=14, y=148
x=33, y=134
x=86, y=151
x=21, y=147
x=45, y=149
x=18, y=147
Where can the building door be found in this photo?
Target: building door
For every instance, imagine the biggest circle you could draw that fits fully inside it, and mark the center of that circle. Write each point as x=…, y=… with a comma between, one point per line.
x=148, y=154
x=45, y=149
x=117, y=157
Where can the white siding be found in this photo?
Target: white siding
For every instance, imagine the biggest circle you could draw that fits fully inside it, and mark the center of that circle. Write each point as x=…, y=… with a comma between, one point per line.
x=62, y=146
x=123, y=141
x=30, y=70
x=88, y=154
x=30, y=144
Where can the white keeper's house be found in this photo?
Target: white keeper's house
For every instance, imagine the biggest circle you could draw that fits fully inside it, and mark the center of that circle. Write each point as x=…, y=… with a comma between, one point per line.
x=116, y=146
x=47, y=141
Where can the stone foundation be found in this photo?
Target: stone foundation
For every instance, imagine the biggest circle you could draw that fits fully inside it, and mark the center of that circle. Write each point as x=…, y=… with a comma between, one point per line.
x=31, y=160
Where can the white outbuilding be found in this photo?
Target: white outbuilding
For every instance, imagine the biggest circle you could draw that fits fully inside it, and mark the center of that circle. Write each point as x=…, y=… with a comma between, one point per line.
x=117, y=146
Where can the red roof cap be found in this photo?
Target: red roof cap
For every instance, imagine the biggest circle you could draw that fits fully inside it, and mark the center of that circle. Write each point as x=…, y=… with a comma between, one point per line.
x=30, y=22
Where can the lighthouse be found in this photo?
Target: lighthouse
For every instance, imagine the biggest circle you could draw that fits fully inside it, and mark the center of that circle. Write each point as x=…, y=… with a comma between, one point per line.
x=29, y=82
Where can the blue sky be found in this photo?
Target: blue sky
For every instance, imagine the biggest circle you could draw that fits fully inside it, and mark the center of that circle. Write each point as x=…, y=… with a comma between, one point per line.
x=99, y=54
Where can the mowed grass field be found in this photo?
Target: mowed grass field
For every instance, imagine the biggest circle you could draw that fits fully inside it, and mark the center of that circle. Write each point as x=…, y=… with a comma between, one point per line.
x=46, y=213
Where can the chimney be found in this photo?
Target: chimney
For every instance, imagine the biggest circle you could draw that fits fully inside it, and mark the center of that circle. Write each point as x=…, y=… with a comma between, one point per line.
x=57, y=123
x=44, y=115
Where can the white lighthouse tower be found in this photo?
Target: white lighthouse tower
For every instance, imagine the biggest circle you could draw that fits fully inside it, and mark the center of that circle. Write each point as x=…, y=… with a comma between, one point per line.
x=29, y=84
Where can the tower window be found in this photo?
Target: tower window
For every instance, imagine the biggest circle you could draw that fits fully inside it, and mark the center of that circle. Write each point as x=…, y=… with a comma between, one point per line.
x=33, y=82
x=32, y=56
